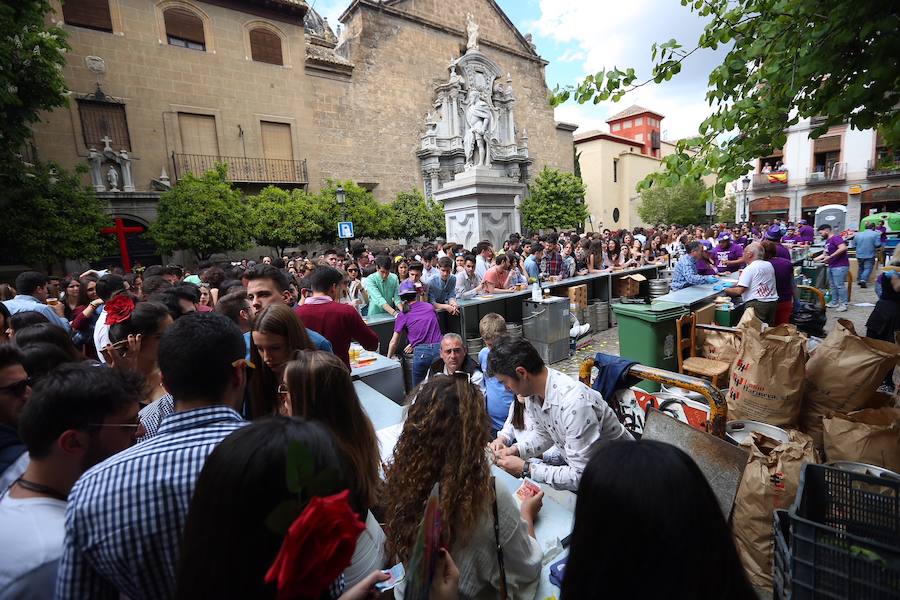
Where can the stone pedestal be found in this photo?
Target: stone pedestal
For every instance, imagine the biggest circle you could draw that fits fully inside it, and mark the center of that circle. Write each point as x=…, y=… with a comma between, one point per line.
x=481, y=203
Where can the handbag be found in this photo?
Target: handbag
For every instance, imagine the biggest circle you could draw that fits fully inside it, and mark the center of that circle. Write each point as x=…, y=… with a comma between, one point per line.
x=497, y=540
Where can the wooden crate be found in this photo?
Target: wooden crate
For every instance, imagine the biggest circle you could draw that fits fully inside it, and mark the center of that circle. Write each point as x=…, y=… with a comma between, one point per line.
x=627, y=287
x=578, y=295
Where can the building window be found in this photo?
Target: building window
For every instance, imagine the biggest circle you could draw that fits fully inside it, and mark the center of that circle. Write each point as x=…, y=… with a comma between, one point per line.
x=101, y=121
x=92, y=14
x=639, y=137
x=265, y=46
x=626, y=124
x=639, y=121
x=276, y=140
x=616, y=126
x=198, y=134
x=826, y=152
x=615, y=170
x=184, y=29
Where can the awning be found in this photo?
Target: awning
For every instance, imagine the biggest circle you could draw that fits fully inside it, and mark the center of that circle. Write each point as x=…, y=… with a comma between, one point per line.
x=831, y=143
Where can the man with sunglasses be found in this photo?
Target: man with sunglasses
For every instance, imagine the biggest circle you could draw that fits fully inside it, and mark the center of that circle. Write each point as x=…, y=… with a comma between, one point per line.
x=15, y=388
x=78, y=416
x=125, y=517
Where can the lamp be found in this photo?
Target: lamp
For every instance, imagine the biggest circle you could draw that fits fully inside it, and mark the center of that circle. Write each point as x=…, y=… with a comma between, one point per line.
x=341, y=196
x=745, y=184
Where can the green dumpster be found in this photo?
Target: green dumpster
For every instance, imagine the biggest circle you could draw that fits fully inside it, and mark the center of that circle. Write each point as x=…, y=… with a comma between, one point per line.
x=647, y=335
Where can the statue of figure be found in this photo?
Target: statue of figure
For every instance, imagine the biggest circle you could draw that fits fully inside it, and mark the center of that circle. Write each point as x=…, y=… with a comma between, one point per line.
x=530, y=40
x=479, y=128
x=456, y=79
x=472, y=30
x=112, y=177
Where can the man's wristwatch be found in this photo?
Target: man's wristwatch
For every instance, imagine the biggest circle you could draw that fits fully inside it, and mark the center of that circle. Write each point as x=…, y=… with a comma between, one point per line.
x=526, y=470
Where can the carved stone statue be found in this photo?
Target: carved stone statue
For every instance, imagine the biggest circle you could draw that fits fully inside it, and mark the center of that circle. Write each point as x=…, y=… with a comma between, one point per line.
x=479, y=127
x=472, y=30
x=112, y=177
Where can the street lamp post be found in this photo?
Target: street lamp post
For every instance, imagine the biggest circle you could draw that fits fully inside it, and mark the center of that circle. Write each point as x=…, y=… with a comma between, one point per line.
x=745, y=185
x=341, y=197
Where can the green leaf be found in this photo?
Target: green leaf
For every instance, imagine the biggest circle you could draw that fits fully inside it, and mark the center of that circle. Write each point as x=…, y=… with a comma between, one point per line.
x=300, y=466
x=283, y=516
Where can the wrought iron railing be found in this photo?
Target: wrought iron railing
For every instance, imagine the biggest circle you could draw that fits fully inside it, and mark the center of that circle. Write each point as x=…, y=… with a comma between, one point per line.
x=775, y=179
x=242, y=169
x=877, y=169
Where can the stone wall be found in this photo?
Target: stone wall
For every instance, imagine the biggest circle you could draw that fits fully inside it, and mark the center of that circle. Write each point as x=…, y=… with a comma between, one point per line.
x=399, y=53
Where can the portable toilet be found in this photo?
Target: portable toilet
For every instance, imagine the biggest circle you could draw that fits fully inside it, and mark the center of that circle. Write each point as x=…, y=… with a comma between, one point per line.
x=832, y=214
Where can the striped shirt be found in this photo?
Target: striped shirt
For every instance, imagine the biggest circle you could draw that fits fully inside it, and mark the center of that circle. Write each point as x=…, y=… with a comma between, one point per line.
x=126, y=515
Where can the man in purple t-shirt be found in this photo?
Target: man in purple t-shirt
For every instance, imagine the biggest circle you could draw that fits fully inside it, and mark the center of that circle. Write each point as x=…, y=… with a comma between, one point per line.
x=805, y=234
x=423, y=332
x=774, y=233
x=729, y=255
x=835, y=256
x=704, y=262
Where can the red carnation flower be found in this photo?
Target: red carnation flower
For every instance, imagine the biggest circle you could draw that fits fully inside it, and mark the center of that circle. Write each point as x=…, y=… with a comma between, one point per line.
x=118, y=309
x=317, y=548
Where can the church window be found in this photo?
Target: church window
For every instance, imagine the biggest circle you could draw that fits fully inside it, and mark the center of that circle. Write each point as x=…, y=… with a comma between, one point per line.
x=184, y=29
x=92, y=14
x=265, y=46
x=101, y=121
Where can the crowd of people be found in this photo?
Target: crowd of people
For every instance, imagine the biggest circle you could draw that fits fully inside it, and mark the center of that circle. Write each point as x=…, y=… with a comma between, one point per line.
x=165, y=434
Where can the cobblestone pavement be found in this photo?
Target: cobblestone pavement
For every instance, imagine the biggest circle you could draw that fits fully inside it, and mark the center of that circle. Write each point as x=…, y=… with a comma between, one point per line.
x=608, y=341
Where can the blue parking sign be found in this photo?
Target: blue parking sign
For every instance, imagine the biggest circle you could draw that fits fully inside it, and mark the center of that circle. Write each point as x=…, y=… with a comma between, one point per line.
x=345, y=230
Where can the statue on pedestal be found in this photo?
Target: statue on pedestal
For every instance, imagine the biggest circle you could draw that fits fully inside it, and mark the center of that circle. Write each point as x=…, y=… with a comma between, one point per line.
x=472, y=30
x=113, y=178
x=479, y=127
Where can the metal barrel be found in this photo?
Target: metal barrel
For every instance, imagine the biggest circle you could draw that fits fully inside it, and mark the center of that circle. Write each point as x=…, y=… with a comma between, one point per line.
x=407, y=371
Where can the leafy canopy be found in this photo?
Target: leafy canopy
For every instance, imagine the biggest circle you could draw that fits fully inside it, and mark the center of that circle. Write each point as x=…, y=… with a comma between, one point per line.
x=53, y=216
x=32, y=56
x=205, y=215
x=681, y=204
x=788, y=60
x=280, y=218
x=413, y=216
x=556, y=200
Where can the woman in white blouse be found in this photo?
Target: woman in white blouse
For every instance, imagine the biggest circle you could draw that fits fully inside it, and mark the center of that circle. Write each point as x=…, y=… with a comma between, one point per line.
x=443, y=441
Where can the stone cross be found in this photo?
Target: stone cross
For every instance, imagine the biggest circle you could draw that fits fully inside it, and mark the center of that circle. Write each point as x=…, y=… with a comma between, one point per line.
x=106, y=143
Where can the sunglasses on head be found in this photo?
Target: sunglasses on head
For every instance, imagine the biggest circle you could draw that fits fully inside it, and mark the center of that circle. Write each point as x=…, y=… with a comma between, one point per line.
x=18, y=388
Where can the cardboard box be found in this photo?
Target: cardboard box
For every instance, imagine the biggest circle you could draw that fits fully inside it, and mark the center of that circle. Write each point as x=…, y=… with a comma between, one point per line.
x=578, y=295
x=629, y=286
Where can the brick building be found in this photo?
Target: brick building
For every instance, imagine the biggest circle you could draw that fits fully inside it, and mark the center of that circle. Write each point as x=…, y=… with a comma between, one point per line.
x=162, y=87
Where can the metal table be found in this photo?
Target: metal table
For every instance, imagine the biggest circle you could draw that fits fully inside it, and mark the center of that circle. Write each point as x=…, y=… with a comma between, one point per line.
x=384, y=375
x=382, y=411
x=695, y=294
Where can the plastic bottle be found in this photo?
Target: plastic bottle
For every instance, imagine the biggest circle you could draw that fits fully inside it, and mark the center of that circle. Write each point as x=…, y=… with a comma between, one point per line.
x=535, y=292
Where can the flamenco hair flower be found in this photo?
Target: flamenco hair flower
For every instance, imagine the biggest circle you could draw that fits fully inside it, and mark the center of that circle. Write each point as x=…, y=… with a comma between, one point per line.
x=317, y=548
x=118, y=309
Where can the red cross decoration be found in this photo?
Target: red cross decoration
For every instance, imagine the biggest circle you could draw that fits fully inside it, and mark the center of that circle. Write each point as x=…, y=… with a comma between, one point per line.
x=120, y=231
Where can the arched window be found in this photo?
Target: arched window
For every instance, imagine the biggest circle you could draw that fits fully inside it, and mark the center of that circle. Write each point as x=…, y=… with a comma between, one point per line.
x=93, y=14
x=184, y=29
x=265, y=46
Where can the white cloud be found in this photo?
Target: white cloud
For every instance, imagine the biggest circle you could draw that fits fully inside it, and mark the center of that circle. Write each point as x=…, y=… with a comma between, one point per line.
x=571, y=55
x=587, y=116
x=620, y=36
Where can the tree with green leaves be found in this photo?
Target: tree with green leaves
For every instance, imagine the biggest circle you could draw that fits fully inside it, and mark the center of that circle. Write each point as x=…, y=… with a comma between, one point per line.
x=280, y=218
x=32, y=56
x=414, y=216
x=681, y=204
x=787, y=60
x=555, y=200
x=370, y=219
x=54, y=217
x=205, y=215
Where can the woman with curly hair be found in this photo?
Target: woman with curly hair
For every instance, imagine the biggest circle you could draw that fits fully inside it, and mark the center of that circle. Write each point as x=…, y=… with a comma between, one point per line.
x=443, y=441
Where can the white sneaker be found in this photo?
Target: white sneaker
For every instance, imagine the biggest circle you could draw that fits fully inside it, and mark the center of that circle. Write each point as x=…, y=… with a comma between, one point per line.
x=832, y=305
x=579, y=330
x=842, y=308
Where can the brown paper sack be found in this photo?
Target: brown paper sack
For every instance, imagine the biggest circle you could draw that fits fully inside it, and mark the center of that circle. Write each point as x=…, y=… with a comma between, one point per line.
x=843, y=374
x=770, y=482
x=766, y=382
x=869, y=436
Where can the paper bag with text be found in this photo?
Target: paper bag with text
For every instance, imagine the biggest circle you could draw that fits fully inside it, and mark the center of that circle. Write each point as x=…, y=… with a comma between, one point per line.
x=769, y=482
x=869, y=436
x=766, y=382
x=843, y=374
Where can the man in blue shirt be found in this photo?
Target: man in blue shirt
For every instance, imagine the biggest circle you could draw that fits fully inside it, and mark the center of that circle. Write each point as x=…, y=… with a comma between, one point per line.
x=442, y=287
x=865, y=242
x=533, y=262
x=685, y=272
x=126, y=515
x=32, y=295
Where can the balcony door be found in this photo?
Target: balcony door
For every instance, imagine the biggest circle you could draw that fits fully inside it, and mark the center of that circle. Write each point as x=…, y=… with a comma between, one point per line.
x=278, y=151
x=199, y=142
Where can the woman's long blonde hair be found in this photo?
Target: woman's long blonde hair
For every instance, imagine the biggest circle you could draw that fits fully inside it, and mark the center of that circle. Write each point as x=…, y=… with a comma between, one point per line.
x=443, y=440
x=321, y=390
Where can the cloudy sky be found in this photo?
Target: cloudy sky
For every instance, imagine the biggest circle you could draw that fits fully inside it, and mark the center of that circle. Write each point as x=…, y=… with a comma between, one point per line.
x=584, y=36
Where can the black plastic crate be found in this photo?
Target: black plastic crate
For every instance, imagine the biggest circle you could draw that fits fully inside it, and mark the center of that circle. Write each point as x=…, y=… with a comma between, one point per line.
x=781, y=573
x=844, y=536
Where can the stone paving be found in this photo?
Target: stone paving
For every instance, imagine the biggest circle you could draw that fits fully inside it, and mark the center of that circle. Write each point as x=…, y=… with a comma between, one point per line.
x=608, y=341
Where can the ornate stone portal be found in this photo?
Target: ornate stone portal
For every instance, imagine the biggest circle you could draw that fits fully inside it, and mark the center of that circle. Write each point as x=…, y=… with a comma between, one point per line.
x=473, y=159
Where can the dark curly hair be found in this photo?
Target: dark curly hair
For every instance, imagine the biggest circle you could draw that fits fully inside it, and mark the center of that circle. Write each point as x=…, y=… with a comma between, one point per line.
x=443, y=440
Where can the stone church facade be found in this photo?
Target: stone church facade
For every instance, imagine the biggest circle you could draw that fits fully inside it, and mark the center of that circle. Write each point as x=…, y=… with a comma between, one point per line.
x=163, y=87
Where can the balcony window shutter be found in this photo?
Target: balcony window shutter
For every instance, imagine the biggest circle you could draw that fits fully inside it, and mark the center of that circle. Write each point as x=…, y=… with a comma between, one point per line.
x=102, y=119
x=827, y=144
x=184, y=25
x=276, y=140
x=265, y=47
x=93, y=14
x=198, y=134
